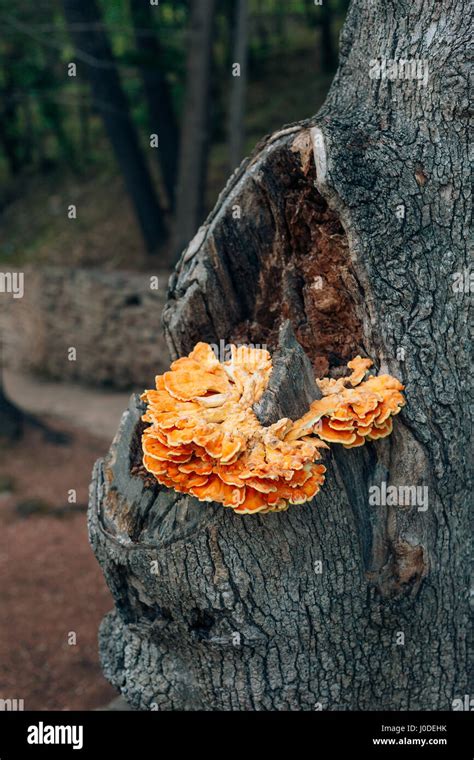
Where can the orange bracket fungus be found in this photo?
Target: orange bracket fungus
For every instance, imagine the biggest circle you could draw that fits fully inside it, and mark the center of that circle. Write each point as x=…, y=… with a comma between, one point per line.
x=205, y=439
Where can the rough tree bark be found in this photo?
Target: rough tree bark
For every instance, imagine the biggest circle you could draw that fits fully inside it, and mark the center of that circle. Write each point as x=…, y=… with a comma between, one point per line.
x=336, y=604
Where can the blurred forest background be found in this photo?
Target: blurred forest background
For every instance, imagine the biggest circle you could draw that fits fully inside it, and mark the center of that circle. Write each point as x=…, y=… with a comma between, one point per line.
x=83, y=134
x=120, y=122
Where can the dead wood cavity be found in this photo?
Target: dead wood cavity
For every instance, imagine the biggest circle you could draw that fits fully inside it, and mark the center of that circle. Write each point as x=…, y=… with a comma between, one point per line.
x=137, y=468
x=307, y=276
x=302, y=273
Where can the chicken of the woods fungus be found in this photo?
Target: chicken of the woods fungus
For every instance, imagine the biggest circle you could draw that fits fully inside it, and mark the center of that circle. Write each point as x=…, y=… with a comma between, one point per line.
x=204, y=439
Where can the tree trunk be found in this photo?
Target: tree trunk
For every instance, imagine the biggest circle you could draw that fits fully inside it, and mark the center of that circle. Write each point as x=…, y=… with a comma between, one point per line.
x=351, y=227
x=93, y=50
x=195, y=129
x=328, y=55
x=161, y=114
x=261, y=29
x=239, y=84
x=84, y=115
x=10, y=134
x=11, y=419
x=29, y=135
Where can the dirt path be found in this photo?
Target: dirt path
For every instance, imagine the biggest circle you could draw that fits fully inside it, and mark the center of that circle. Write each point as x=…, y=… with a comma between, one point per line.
x=97, y=411
x=53, y=595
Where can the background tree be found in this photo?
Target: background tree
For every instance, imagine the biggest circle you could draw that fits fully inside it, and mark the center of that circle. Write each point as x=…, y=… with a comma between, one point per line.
x=328, y=53
x=340, y=603
x=53, y=132
x=239, y=83
x=11, y=418
x=195, y=124
x=9, y=117
x=15, y=422
x=162, y=119
x=94, y=52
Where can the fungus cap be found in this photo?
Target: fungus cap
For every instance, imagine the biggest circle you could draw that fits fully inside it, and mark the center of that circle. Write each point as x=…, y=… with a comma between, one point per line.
x=204, y=438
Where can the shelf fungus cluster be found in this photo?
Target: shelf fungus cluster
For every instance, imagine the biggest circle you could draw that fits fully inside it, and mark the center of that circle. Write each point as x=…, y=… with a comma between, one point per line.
x=205, y=439
x=352, y=411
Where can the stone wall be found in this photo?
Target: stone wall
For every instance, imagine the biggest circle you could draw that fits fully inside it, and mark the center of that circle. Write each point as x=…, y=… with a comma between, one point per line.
x=111, y=319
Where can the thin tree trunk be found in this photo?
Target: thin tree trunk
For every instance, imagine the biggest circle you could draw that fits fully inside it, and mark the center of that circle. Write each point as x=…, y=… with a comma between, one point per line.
x=328, y=54
x=29, y=138
x=52, y=117
x=84, y=125
x=11, y=418
x=310, y=17
x=9, y=127
x=195, y=130
x=336, y=604
x=261, y=29
x=281, y=11
x=162, y=119
x=94, y=52
x=239, y=85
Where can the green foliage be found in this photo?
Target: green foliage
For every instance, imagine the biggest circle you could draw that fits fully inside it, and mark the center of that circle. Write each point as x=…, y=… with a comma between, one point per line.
x=46, y=118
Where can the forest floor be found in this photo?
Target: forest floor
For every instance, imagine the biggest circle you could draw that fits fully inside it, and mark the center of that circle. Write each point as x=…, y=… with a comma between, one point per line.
x=53, y=592
x=95, y=410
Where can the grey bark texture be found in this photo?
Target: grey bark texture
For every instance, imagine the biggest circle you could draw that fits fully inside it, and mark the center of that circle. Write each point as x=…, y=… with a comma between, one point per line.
x=337, y=604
